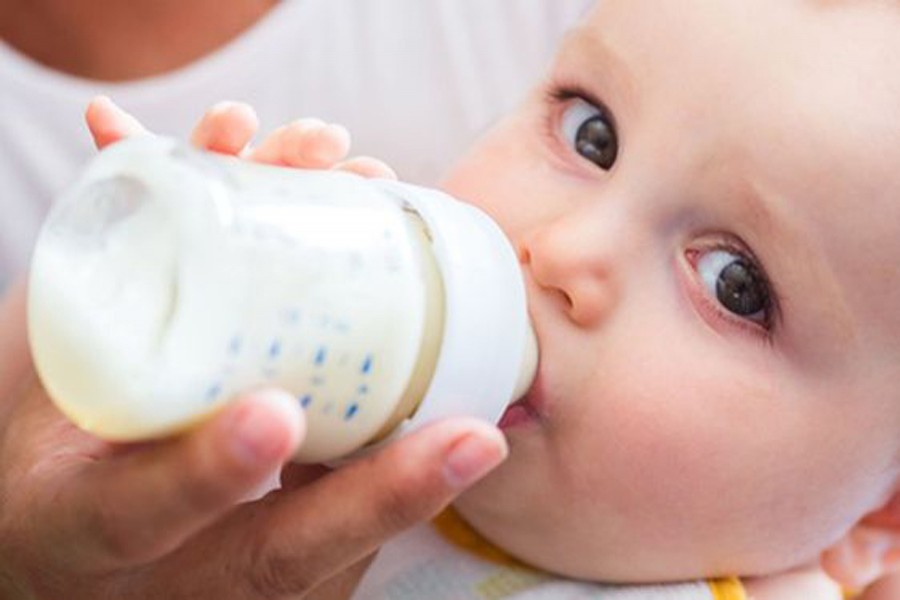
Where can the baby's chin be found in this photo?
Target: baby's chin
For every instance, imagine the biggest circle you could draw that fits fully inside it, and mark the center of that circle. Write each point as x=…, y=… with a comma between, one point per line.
x=509, y=526
x=574, y=553
x=568, y=547
x=508, y=538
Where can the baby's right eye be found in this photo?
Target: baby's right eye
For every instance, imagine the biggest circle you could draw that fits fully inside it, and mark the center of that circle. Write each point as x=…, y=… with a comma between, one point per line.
x=590, y=133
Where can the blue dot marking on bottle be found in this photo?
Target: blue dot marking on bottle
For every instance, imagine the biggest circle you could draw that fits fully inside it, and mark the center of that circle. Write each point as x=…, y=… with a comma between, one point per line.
x=367, y=365
x=351, y=411
x=234, y=346
x=362, y=390
x=321, y=354
x=306, y=400
x=274, y=349
x=213, y=392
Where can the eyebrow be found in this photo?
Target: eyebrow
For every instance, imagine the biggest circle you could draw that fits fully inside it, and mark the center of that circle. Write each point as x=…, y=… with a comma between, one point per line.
x=586, y=51
x=759, y=208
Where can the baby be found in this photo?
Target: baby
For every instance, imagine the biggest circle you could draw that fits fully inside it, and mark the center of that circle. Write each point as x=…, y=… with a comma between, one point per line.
x=705, y=198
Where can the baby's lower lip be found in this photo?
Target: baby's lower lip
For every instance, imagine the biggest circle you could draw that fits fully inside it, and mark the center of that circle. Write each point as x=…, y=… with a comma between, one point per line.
x=518, y=414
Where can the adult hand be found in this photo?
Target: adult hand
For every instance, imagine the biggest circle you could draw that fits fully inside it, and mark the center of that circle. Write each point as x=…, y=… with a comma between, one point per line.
x=82, y=518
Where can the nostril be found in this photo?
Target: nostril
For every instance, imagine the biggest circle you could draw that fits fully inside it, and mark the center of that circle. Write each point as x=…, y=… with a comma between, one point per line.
x=524, y=255
x=569, y=302
x=539, y=271
x=592, y=301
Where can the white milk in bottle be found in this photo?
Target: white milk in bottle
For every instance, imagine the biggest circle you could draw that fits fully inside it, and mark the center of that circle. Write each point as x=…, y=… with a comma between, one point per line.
x=168, y=280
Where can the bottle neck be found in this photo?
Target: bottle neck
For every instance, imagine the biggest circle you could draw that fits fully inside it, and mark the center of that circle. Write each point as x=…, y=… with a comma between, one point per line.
x=433, y=329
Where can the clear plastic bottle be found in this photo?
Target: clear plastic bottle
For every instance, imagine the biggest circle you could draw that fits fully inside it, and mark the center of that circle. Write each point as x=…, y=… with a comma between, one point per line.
x=168, y=280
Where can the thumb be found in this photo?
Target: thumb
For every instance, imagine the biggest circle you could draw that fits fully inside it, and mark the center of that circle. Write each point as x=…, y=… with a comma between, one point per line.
x=145, y=503
x=308, y=535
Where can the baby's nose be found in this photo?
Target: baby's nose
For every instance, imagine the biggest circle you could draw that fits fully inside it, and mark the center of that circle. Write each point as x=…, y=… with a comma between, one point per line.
x=577, y=273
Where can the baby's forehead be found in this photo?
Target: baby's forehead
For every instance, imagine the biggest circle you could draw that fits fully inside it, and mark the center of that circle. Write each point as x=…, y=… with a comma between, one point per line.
x=812, y=86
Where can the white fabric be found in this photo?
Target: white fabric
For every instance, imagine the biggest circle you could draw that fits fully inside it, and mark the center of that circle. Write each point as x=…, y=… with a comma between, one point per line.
x=414, y=80
x=421, y=564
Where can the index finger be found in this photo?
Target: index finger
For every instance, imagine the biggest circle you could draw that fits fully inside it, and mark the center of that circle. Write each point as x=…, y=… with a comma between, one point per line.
x=293, y=541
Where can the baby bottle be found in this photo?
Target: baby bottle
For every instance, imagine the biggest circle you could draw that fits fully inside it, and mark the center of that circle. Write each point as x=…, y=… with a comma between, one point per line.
x=168, y=280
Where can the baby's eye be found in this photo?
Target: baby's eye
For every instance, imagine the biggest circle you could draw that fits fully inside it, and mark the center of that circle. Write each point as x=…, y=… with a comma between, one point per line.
x=590, y=132
x=737, y=284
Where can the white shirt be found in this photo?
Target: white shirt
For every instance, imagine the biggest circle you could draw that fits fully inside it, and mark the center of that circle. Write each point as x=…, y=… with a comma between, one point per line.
x=415, y=81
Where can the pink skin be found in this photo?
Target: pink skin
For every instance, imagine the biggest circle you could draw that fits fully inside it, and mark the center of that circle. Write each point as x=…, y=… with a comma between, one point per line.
x=228, y=128
x=667, y=437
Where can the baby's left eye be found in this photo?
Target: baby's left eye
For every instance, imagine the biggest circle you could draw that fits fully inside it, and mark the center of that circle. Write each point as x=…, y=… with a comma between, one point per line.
x=737, y=284
x=590, y=133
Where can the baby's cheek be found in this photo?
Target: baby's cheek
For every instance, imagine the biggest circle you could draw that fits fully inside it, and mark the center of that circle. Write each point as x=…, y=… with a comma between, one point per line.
x=656, y=467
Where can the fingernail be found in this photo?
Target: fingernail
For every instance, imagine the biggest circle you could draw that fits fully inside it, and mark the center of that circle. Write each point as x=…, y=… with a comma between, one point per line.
x=472, y=457
x=222, y=107
x=257, y=438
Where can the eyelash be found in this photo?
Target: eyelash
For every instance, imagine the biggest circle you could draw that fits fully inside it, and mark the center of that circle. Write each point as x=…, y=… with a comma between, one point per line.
x=558, y=94
x=765, y=330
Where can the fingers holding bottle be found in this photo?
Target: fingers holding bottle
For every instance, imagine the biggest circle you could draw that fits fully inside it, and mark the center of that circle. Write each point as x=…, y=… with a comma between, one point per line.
x=136, y=507
x=229, y=127
x=108, y=123
x=317, y=534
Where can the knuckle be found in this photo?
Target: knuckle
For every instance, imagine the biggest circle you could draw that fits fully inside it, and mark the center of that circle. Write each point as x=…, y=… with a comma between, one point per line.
x=121, y=544
x=199, y=495
x=204, y=481
x=273, y=574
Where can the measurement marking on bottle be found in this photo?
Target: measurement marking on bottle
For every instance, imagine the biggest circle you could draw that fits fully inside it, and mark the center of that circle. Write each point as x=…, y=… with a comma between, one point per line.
x=234, y=346
x=367, y=365
x=351, y=411
x=274, y=349
x=362, y=390
x=321, y=354
x=306, y=400
x=292, y=316
x=213, y=392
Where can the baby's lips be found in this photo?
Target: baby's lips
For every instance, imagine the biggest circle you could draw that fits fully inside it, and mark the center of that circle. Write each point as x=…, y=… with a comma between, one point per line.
x=518, y=414
x=527, y=410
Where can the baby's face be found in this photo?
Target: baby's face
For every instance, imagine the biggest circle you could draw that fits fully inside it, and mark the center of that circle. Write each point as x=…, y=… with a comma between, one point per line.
x=705, y=195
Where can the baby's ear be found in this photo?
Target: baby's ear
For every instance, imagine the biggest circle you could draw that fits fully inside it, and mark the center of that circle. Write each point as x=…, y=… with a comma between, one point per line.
x=869, y=551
